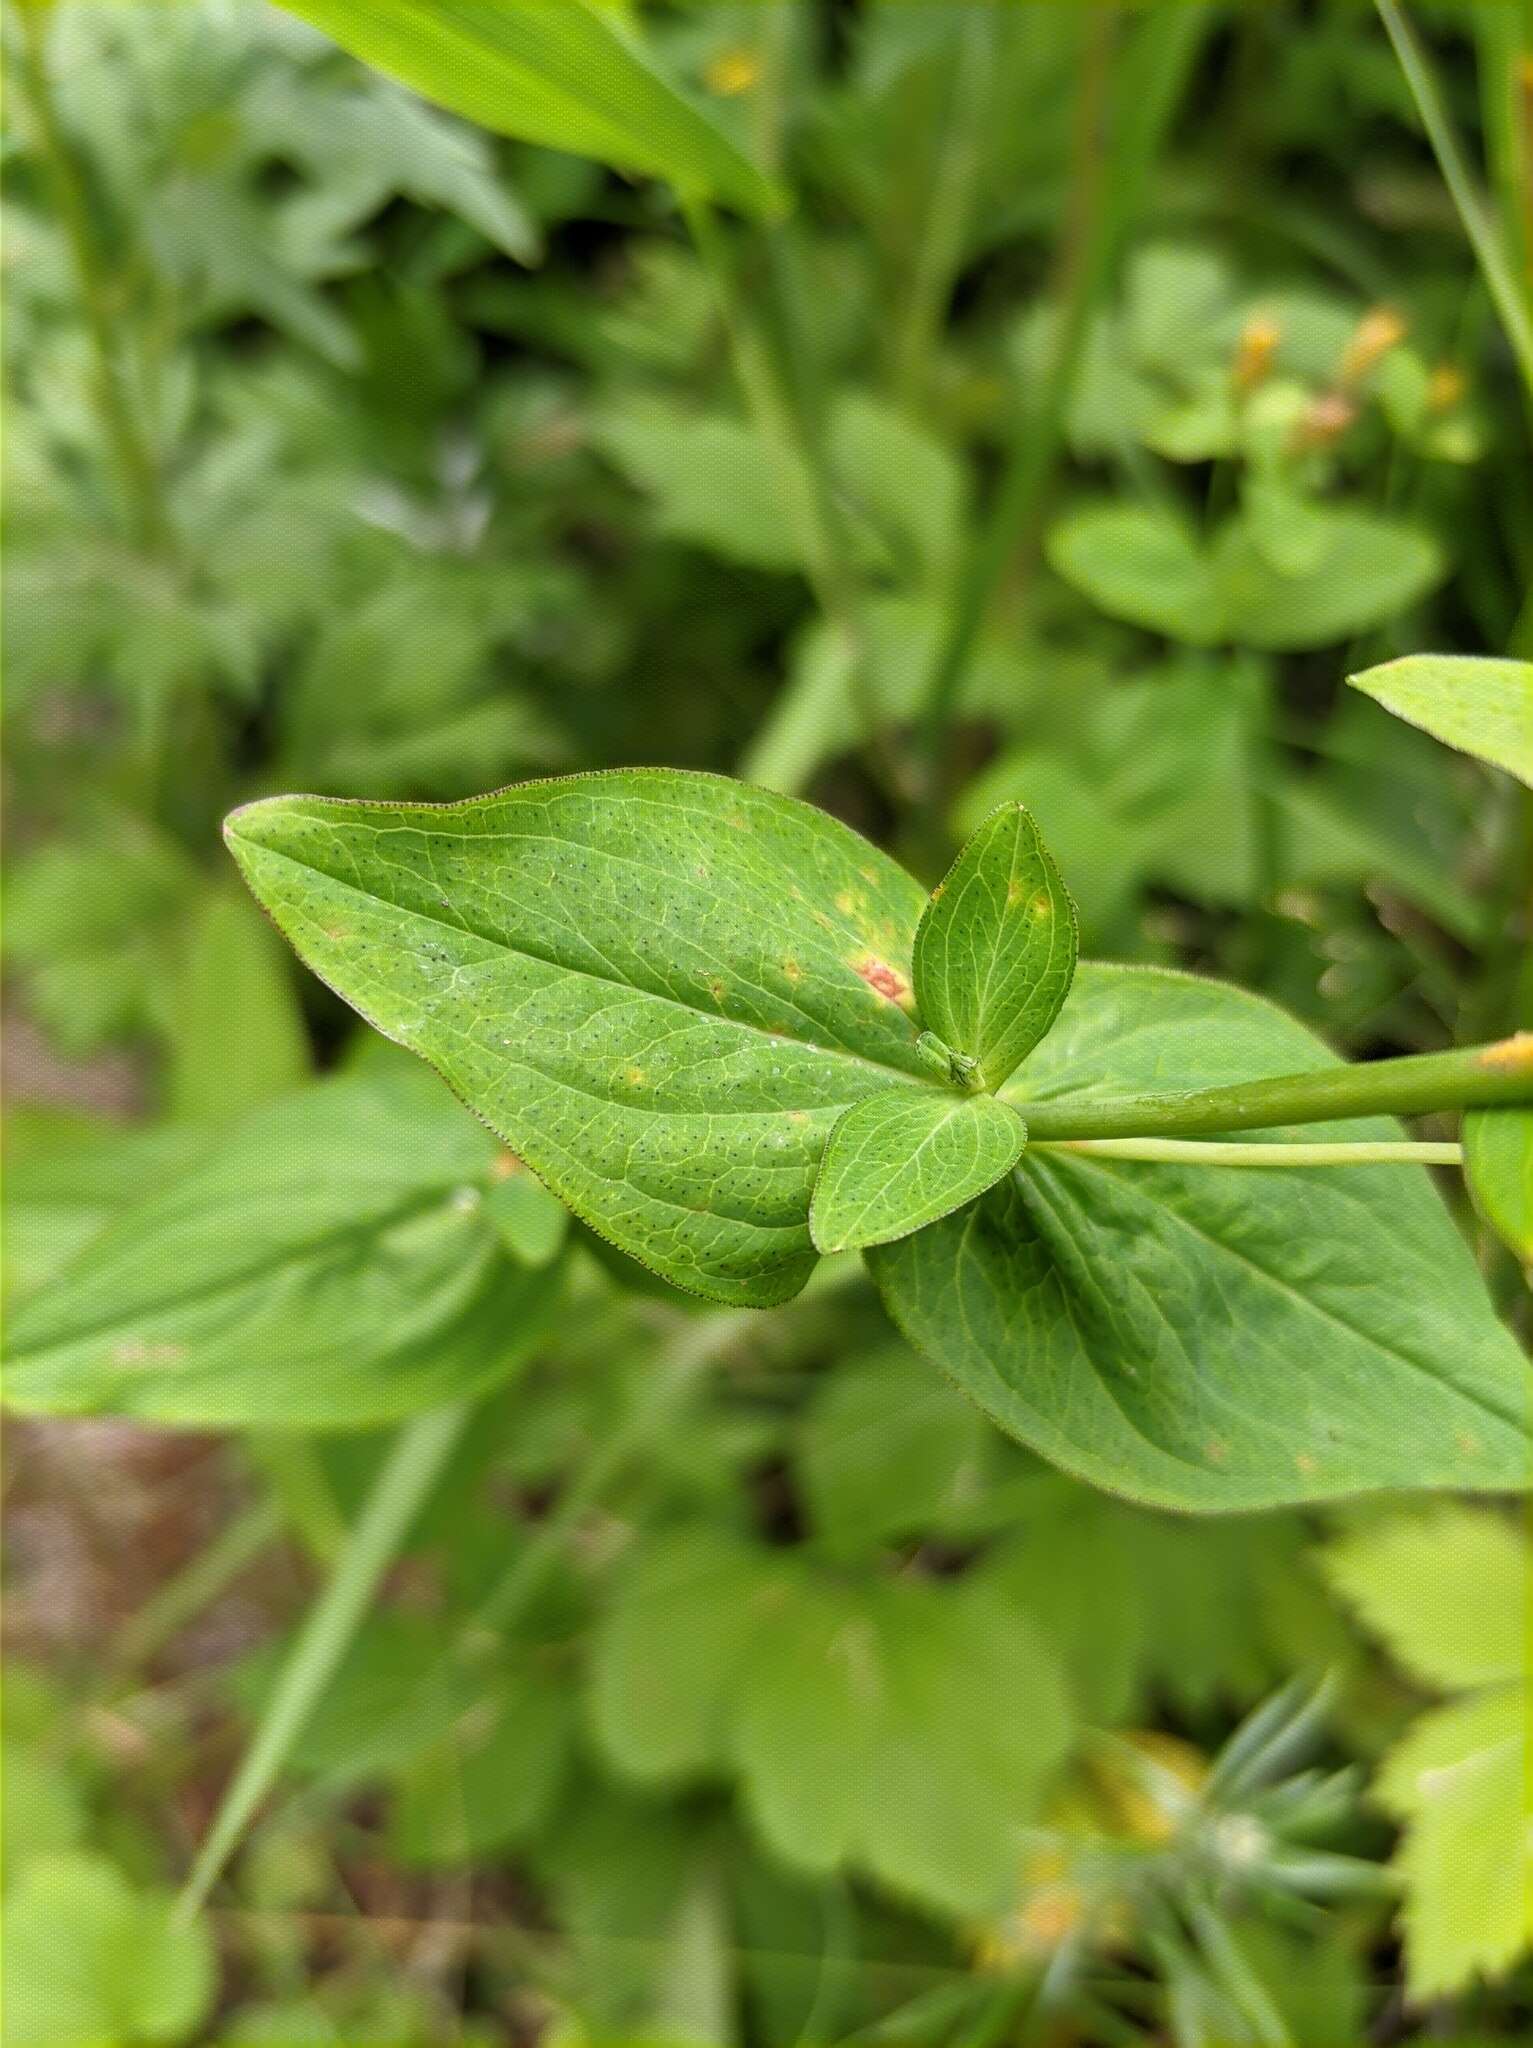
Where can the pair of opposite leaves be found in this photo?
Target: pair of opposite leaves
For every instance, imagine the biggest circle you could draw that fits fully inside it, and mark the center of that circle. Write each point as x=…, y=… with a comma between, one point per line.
x=687, y=1003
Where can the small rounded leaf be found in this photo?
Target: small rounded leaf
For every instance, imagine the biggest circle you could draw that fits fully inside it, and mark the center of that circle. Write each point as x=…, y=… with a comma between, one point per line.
x=903, y=1160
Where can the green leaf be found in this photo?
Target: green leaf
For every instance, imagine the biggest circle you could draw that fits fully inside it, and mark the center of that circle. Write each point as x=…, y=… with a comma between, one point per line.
x=903, y=1728
x=237, y=1037
x=995, y=948
x=900, y=1161
x=661, y=989
x=326, y=1264
x=1482, y=707
x=496, y=1782
x=92, y=1962
x=1498, y=1165
x=887, y=1450
x=1204, y=1339
x=713, y=480
x=1364, y=570
x=1460, y=1781
x=558, y=72
x=1144, y=564
x=1447, y=1591
x=533, y=1223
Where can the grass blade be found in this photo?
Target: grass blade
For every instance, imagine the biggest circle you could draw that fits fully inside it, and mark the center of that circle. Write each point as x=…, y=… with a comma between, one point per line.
x=406, y=1477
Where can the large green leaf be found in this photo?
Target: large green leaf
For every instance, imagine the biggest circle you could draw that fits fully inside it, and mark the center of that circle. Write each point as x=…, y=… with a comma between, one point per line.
x=1482, y=707
x=326, y=1264
x=559, y=72
x=661, y=989
x=996, y=946
x=1447, y=1590
x=1210, y=1339
x=901, y=1160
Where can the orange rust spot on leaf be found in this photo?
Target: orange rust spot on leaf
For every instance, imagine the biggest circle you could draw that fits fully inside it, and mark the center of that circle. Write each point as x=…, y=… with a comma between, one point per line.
x=880, y=977
x=793, y=971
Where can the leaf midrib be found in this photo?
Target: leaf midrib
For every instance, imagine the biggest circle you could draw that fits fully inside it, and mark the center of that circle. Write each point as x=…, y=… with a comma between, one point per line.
x=528, y=952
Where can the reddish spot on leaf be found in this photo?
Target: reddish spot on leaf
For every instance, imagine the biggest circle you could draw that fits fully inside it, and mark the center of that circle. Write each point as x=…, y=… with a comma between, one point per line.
x=881, y=977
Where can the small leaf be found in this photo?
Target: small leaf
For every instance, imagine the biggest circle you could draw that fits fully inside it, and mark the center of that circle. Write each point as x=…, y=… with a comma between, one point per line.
x=1482, y=707
x=558, y=72
x=1446, y=1590
x=901, y=1161
x=1363, y=570
x=995, y=948
x=1141, y=563
x=1498, y=1165
x=1459, y=1779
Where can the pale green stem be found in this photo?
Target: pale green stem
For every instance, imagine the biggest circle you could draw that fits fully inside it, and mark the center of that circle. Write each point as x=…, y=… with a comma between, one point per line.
x=960, y=154
x=798, y=454
x=1495, y=260
x=412, y=1467
x=1209, y=1152
x=1472, y=1077
x=1106, y=184
x=136, y=472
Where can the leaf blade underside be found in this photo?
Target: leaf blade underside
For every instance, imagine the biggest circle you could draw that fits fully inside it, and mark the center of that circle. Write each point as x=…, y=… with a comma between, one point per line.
x=1162, y=1334
x=900, y=1161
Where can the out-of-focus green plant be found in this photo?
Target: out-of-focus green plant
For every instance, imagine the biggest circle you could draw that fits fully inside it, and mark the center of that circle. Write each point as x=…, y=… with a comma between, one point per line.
x=922, y=410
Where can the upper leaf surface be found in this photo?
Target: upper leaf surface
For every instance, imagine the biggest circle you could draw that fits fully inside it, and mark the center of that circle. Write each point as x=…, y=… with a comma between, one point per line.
x=661, y=989
x=1481, y=707
x=996, y=946
x=1212, y=1339
x=550, y=71
x=1447, y=1591
x=901, y=1160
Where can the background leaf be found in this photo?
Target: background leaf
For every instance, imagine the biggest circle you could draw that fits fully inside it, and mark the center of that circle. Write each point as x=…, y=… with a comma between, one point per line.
x=326, y=1264
x=559, y=72
x=1480, y=706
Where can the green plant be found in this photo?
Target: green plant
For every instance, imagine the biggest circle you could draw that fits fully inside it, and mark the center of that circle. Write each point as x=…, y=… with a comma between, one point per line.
x=1002, y=427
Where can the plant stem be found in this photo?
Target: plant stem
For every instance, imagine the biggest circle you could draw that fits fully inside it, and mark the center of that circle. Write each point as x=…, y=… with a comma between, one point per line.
x=413, y=1465
x=1510, y=300
x=797, y=448
x=959, y=156
x=1209, y=1152
x=1473, y=1076
x=182, y=1598
x=137, y=476
x=1096, y=214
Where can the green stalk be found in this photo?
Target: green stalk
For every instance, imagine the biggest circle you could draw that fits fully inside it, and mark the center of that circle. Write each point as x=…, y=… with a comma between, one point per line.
x=1104, y=187
x=200, y=1582
x=960, y=154
x=1496, y=267
x=414, y=1464
x=1473, y=1076
x=138, y=478
x=1209, y=1152
x=762, y=359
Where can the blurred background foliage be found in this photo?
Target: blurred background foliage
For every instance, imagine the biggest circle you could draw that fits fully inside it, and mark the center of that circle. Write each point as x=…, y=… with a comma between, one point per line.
x=704, y=1677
